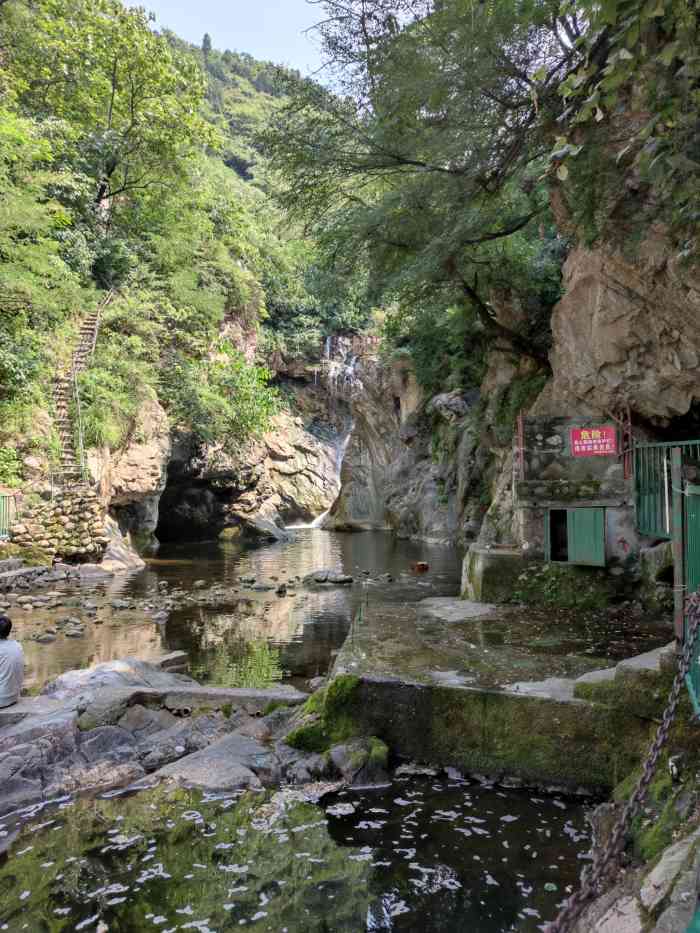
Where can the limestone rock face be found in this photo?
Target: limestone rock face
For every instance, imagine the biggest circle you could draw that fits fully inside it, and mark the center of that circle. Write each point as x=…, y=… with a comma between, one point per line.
x=411, y=464
x=290, y=474
x=131, y=480
x=626, y=331
x=120, y=554
x=373, y=447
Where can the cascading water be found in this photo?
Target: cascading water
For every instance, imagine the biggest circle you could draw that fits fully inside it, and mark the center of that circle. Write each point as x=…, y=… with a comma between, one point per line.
x=341, y=446
x=339, y=373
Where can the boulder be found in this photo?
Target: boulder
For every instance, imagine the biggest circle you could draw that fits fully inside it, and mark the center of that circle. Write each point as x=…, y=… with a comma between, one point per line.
x=307, y=769
x=127, y=672
x=229, y=764
x=328, y=577
x=264, y=529
x=361, y=761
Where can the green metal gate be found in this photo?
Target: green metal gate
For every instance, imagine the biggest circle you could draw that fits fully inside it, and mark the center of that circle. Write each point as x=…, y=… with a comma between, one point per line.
x=691, y=564
x=8, y=513
x=668, y=507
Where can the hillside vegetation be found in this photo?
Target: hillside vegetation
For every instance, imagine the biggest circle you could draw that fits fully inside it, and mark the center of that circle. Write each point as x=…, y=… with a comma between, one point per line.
x=128, y=162
x=228, y=203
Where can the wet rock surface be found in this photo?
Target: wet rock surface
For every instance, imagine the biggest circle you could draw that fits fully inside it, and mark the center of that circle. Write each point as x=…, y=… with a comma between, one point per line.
x=112, y=725
x=660, y=899
x=328, y=577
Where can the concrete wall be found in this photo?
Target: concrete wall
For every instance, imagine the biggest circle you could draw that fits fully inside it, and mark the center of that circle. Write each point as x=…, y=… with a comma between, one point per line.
x=551, y=478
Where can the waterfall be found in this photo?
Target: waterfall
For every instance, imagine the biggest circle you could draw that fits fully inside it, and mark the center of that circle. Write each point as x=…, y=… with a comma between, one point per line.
x=316, y=523
x=341, y=447
x=327, y=348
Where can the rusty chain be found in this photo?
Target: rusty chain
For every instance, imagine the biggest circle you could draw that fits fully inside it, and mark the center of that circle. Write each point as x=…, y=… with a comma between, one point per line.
x=608, y=859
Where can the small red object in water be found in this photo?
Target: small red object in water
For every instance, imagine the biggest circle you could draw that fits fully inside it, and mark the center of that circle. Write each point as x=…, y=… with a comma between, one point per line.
x=420, y=567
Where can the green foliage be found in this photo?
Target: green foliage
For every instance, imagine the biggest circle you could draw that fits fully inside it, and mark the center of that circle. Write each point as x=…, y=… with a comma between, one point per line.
x=112, y=263
x=426, y=170
x=222, y=401
x=132, y=100
x=441, y=345
x=516, y=397
x=326, y=717
x=110, y=178
x=637, y=59
x=10, y=467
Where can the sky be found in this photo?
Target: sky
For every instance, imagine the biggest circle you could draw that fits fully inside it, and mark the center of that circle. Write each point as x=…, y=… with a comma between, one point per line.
x=272, y=30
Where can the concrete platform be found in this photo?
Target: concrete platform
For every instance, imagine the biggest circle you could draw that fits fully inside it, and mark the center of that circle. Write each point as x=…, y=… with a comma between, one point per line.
x=541, y=696
x=448, y=640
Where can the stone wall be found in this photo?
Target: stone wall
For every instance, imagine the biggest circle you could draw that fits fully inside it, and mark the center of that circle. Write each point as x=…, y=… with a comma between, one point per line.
x=70, y=527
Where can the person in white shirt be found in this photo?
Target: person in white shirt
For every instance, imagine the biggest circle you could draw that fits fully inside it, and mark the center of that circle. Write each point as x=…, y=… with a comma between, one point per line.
x=11, y=665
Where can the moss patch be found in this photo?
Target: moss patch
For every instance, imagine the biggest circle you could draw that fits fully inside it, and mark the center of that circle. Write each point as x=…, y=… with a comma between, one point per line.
x=378, y=753
x=563, y=586
x=327, y=717
x=273, y=705
x=642, y=693
x=32, y=556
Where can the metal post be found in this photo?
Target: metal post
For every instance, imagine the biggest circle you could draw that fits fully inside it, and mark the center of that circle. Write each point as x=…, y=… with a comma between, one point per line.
x=677, y=544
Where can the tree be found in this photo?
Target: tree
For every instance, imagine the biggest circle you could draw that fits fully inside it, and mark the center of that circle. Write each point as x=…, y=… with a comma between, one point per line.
x=635, y=99
x=132, y=100
x=206, y=45
x=426, y=157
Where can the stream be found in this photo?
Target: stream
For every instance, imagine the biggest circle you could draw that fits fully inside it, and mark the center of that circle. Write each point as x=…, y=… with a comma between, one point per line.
x=429, y=852
x=218, y=616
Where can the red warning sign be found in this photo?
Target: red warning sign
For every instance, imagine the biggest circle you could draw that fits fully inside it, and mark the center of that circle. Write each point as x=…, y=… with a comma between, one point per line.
x=593, y=442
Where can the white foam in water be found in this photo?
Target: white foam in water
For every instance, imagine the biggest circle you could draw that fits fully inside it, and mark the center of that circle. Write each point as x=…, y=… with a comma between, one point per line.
x=316, y=523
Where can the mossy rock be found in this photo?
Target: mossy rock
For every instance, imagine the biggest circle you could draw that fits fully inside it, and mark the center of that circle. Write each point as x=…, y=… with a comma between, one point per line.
x=564, y=586
x=666, y=807
x=32, y=556
x=640, y=693
x=326, y=718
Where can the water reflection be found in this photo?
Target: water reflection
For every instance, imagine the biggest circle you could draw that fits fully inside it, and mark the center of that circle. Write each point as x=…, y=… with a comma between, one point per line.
x=420, y=856
x=307, y=627
x=218, y=614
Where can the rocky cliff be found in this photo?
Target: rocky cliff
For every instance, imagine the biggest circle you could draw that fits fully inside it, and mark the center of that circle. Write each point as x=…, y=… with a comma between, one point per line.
x=413, y=465
x=290, y=475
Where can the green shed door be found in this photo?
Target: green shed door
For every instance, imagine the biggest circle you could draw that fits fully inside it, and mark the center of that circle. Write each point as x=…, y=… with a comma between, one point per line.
x=586, y=536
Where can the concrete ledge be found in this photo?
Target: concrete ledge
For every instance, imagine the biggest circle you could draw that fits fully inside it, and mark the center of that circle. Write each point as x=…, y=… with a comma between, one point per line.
x=538, y=737
x=253, y=701
x=490, y=575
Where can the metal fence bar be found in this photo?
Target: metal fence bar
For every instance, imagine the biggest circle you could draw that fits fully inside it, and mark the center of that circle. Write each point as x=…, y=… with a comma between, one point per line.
x=8, y=514
x=652, y=482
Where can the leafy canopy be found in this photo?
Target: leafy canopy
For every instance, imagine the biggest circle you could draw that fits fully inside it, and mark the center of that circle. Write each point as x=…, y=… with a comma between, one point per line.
x=425, y=159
